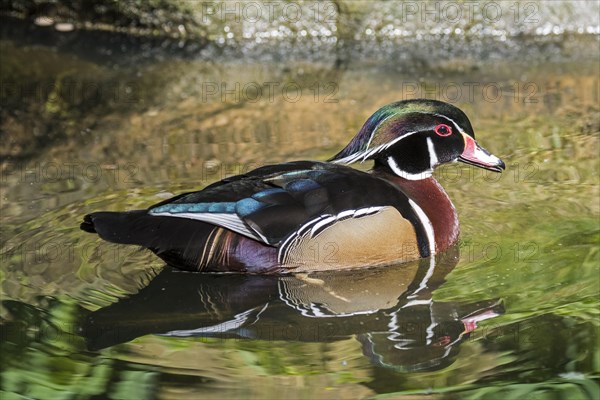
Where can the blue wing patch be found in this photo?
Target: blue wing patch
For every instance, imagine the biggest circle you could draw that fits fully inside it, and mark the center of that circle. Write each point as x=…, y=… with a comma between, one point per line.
x=247, y=206
x=243, y=207
x=197, y=208
x=302, y=185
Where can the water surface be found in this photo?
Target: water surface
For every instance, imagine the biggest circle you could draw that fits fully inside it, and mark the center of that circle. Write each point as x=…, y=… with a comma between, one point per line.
x=512, y=310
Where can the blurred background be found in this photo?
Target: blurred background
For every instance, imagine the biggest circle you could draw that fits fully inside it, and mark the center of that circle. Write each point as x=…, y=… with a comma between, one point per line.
x=109, y=105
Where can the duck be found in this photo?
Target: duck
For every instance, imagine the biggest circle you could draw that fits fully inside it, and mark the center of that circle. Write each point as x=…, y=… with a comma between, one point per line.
x=304, y=216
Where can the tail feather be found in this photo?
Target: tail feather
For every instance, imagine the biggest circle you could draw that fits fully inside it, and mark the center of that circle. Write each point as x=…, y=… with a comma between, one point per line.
x=178, y=241
x=88, y=224
x=119, y=227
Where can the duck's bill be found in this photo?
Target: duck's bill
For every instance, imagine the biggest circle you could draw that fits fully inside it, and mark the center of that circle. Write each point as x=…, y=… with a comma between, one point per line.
x=480, y=157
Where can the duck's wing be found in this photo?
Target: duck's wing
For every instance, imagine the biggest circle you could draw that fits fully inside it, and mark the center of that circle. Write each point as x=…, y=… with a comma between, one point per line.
x=273, y=204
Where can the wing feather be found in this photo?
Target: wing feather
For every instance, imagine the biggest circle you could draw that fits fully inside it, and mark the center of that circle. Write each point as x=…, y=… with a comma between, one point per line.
x=275, y=203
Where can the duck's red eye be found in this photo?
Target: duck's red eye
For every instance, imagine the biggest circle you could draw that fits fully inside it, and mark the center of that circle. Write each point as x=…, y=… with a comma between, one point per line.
x=443, y=130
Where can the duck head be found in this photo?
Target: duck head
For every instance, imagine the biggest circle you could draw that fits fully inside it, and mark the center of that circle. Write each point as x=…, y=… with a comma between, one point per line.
x=412, y=137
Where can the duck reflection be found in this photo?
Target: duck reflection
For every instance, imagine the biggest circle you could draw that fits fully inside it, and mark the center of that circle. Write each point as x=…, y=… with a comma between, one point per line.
x=389, y=310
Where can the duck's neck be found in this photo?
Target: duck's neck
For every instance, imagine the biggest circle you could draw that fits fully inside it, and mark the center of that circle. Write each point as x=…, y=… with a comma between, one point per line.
x=430, y=196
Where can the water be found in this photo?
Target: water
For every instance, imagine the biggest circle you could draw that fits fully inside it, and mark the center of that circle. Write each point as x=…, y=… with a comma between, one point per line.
x=511, y=311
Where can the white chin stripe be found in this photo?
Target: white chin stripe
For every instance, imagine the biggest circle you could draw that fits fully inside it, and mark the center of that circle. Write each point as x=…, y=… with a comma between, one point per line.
x=407, y=175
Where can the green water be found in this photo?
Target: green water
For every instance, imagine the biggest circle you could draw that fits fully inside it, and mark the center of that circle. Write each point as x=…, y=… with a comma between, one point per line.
x=511, y=312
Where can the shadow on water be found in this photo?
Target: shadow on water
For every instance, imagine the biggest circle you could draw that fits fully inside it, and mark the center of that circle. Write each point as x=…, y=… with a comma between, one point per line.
x=389, y=310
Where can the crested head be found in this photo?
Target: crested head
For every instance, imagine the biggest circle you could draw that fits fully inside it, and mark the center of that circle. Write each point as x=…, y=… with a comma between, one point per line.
x=412, y=137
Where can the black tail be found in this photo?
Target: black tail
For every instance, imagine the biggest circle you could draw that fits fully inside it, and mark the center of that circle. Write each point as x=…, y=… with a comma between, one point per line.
x=178, y=241
x=88, y=224
x=119, y=227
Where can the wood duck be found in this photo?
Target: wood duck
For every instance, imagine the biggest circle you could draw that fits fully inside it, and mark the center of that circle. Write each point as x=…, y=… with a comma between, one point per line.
x=311, y=215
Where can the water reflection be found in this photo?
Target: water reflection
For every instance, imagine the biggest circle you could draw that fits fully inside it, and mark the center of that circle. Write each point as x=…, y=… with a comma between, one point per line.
x=390, y=311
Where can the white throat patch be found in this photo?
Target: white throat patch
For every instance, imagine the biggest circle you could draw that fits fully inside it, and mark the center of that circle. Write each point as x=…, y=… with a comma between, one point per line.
x=433, y=161
x=407, y=175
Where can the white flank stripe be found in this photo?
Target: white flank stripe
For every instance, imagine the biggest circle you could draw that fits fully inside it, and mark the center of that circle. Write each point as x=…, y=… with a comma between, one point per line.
x=319, y=224
x=310, y=223
x=361, y=212
x=426, y=224
x=346, y=213
x=366, y=211
x=285, y=243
